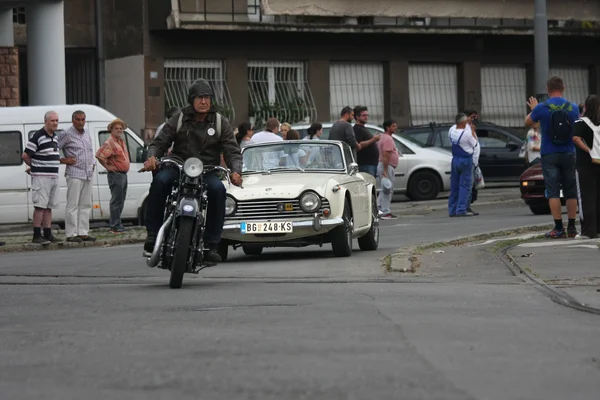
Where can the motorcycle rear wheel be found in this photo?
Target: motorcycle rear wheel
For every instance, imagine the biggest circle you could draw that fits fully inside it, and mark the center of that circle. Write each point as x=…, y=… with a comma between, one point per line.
x=182, y=252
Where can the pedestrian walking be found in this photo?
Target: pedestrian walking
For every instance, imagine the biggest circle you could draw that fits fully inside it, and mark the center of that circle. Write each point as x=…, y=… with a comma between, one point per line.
x=113, y=155
x=586, y=133
x=557, y=117
x=387, y=164
x=461, y=175
x=368, y=156
x=43, y=158
x=76, y=144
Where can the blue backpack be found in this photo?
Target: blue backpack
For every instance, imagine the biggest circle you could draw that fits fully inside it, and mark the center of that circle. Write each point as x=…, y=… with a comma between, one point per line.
x=560, y=129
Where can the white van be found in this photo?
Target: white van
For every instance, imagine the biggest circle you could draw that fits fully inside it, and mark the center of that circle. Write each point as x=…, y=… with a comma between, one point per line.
x=18, y=124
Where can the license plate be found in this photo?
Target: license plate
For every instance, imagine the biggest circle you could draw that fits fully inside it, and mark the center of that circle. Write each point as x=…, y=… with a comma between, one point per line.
x=266, y=227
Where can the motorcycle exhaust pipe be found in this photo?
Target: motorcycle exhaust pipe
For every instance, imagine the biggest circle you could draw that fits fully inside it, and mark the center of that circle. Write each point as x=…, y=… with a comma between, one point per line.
x=153, y=259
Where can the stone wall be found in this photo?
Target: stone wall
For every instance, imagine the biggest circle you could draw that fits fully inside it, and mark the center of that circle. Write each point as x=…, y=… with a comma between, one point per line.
x=9, y=77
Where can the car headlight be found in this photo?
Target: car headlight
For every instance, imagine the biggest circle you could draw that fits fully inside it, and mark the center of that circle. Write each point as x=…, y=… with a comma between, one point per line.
x=310, y=202
x=193, y=167
x=229, y=206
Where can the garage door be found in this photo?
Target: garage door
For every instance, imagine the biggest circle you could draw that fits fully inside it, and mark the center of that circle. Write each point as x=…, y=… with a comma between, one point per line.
x=504, y=95
x=577, y=83
x=352, y=84
x=433, y=91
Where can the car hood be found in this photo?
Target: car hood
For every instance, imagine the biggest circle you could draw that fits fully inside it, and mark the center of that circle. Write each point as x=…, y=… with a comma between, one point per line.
x=439, y=150
x=280, y=185
x=533, y=173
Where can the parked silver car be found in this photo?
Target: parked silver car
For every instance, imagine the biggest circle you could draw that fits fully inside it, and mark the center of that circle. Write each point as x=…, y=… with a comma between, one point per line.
x=422, y=172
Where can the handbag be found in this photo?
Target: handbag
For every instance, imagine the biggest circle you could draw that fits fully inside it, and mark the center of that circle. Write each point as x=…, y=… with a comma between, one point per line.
x=595, y=147
x=479, y=182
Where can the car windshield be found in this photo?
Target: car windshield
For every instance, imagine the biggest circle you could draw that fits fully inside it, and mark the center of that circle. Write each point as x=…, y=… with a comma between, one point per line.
x=298, y=156
x=409, y=139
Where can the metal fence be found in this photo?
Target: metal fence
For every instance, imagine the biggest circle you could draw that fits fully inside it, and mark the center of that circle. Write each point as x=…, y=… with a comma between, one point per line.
x=433, y=93
x=179, y=74
x=504, y=95
x=353, y=84
x=279, y=89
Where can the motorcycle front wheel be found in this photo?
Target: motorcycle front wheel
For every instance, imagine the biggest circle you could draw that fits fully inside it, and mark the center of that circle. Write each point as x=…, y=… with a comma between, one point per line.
x=182, y=251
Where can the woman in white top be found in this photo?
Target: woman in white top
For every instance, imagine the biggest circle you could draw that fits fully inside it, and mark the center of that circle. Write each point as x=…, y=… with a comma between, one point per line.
x=534, y=142
x=314, y=132
x=244, y=134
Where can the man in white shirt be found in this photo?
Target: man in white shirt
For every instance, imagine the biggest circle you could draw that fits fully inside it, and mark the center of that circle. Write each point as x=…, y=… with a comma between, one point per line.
x=270, y=159
x=461, y=178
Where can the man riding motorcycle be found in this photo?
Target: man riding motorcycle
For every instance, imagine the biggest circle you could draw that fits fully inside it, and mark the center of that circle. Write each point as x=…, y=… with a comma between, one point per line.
x=195, y=134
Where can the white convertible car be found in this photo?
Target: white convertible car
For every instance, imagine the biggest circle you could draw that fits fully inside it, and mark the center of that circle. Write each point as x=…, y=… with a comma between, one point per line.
x=300, y=193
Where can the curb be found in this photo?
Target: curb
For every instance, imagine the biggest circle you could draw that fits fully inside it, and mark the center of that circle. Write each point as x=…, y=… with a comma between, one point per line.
x=556, y=295
x=407, y=259
x=66, y=245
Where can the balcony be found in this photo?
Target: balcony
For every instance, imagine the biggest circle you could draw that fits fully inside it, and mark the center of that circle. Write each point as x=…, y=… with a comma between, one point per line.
x=263, y=15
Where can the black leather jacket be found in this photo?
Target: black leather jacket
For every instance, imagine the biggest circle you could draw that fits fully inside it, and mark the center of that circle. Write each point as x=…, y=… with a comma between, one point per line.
x=193, y=140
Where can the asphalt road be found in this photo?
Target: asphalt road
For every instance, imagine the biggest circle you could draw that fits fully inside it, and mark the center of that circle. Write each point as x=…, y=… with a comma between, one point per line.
x=297, y=324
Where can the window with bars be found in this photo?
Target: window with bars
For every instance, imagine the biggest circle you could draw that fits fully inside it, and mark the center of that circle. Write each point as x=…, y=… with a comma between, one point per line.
x=179, y=74
x=19, y=16
x=577, y=82
x=433, y=92
x=353, y=84
x=504, y=94
x=280, y=90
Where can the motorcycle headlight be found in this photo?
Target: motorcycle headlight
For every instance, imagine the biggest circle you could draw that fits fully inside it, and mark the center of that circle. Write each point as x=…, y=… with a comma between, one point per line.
x=310, y=202
x=193, y=167
x=229, y=206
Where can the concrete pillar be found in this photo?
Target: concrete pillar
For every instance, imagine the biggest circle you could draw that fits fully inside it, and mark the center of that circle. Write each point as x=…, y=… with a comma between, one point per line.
x=46, y=53
x=318, y=81
x=469, y=86
x=237, y=82
x=396, y=97
x=7, y=38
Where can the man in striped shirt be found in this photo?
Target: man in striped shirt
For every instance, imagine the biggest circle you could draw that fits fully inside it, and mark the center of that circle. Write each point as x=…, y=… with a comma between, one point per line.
x=76, y=144
x=43, y=157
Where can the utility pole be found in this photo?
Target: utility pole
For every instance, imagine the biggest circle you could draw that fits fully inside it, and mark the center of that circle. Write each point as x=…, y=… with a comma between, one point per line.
x=541, y=63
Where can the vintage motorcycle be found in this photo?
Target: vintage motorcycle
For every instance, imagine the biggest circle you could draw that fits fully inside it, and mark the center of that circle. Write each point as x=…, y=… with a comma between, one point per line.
x=179, y=244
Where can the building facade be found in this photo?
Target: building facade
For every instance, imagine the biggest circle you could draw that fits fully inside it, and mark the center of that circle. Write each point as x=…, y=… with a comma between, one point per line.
x=287, y=59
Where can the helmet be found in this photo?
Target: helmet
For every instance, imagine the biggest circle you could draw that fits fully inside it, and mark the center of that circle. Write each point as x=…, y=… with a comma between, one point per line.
x=199, y=88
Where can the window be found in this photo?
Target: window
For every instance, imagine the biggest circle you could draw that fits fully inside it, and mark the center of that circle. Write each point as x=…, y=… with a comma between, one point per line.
x=19, y=16
x=325, y=134
x=504, y=91
x=135, y=150
x=349, y=155
x=402, y=149
x=421, y=136
x=11, y=148
x=375, y=131
x=433, y=93
x=442, y=139
x=492, y=139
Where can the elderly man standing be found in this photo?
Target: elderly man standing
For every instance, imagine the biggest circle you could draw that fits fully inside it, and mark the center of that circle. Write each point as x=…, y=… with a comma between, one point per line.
x=76, y=144
x=461, y=178
x=42, y=156
x=113, y=156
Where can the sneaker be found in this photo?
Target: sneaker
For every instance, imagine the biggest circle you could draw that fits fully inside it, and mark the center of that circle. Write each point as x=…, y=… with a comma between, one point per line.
x=572, y=232
x=472, y=212
x=581, y=237
x=555, y=234
x=389, y=216
x=212, y=256
x=467, y=214
x=74, y=239
x=40, y=240
x=116, y=230
x=149, y=244
x=87, y=238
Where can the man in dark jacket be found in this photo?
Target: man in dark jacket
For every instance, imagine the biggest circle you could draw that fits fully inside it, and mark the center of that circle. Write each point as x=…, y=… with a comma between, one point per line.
x=194, y=134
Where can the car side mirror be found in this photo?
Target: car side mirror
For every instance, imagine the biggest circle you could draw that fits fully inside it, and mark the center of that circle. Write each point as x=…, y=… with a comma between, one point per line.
x=353, y=168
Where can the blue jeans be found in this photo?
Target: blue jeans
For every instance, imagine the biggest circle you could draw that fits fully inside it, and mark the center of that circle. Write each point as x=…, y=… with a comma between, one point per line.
x=369, y=169
x=160, y=188
x=461, y=183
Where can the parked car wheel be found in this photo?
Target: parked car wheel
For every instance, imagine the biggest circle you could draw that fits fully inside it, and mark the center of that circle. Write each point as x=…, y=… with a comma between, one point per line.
x=423, y=185
x=540, y=209
x=223, y=251
x=370, y=241
x=252, y=250
x=341, y=237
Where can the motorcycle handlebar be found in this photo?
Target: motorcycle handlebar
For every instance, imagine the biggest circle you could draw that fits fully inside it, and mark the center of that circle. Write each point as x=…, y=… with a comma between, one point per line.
x=179, y=163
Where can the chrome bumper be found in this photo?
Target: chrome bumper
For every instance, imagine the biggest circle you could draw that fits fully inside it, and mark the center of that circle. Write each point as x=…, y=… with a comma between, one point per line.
x=316, y=223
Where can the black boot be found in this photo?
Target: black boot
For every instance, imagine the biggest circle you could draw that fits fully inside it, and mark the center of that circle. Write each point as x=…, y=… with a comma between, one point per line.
x=149, y=243
x=211, y=255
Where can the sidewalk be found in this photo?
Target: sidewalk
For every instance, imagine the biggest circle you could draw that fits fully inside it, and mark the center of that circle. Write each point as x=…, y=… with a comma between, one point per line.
x=21, y=240
x=570, y=266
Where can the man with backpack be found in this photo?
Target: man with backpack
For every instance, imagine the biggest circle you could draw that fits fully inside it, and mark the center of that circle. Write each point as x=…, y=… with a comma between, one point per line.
x=557, y=117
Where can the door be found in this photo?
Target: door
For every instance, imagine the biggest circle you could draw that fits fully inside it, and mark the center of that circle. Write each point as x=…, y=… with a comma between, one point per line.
x=407, y=158
x=358, y=192
x=138, y=184
x=14, y=182
x=499, y=158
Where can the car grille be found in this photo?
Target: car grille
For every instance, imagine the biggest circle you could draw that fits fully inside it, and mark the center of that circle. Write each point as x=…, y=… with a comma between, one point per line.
x=268, y=209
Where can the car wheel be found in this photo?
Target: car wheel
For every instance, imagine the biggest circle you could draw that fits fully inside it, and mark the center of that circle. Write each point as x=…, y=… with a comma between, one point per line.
x=423, y=185
x=341, y=237
x=252, y=251
x=370, y=241
x=540, y=209
x=223, y=251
